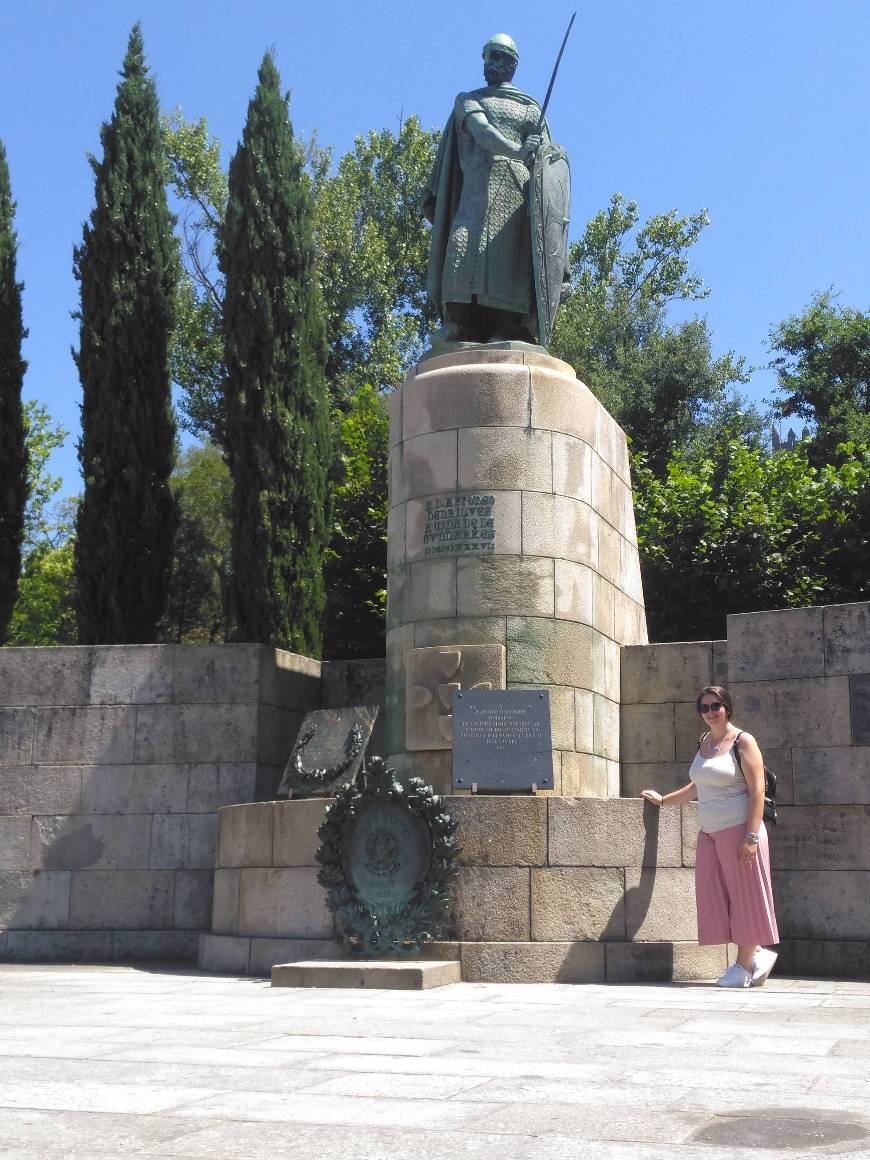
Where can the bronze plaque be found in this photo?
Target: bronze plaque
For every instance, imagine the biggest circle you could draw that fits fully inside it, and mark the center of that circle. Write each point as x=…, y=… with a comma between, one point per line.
x=386, y=854
x=329, y=750
x=502, y=740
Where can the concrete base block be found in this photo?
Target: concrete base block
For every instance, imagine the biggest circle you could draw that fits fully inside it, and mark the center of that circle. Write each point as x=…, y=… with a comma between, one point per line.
x=828, y=959
x=663, y=962
x=224, y=954
x=538, y=962
x=403, y=976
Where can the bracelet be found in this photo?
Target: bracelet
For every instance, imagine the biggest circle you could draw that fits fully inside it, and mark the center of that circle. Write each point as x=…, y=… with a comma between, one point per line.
x=749, y=836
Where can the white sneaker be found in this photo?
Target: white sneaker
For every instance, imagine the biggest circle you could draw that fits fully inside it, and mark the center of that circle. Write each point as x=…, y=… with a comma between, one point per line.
x=735, y=976
x=762, y=965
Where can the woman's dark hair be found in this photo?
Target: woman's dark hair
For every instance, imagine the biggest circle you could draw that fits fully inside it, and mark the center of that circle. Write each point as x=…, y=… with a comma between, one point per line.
x=721, y=694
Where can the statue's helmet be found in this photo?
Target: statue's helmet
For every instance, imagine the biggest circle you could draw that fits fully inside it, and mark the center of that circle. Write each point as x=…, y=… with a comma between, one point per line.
x=503, y=43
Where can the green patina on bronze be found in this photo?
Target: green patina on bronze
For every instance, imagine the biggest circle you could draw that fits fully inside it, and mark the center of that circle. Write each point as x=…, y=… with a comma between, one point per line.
x=387, y=856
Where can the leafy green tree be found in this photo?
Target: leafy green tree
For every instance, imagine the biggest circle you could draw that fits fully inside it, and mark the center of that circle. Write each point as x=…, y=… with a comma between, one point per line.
x=200, y=570
x=356, y=571
x=277, y=434
x=661, y=383
x=13, y=445
x=823, y=370
x=45, y=613
x=128, y=269
x=743, y=531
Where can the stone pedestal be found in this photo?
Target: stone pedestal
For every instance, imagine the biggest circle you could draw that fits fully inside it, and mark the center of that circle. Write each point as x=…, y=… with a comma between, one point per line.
x=512, y=558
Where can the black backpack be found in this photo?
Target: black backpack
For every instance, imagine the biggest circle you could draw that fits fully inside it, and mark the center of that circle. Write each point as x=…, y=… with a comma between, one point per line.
x=769, y=814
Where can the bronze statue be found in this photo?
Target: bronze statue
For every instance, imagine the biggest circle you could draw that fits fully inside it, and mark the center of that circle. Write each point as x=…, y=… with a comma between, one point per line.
x=486, y=277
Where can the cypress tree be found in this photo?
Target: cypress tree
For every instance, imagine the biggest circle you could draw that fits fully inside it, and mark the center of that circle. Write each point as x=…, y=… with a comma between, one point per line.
x=277, y=406
x=128, y=269
x=13, y=443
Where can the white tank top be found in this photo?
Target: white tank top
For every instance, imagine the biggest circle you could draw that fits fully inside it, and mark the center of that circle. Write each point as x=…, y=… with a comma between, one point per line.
x=723, y=799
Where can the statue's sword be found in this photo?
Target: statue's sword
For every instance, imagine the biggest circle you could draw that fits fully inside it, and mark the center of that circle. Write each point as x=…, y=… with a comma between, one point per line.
x=553, y=77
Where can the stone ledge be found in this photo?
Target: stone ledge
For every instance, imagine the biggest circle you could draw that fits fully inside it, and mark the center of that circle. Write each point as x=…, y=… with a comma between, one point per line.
x=393, y=976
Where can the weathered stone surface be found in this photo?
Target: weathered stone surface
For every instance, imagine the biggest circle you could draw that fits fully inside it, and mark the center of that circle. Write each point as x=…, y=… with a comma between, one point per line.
x=824, y=958
x=665, y=962
x=540, y=962
x=225, y=902
x=394, y=405
x=193, y=899
x=554, y=525
x=611, y=660
x=629, y=620
x=622, y=506
x=155, y=945
x=356, y=682
x=433, y=674
x=287, y=902
x=562, y=403
x=216, y=673
x=660, y=905
x=504, y=458
x=45, y=676
x=504, y=586
x=131, y=674
x=689, y=727
x=399, y=642
x=662, y=673
x=689, y=826
x=396, y=521
x=91, y=841
x=647, y=734
x=425, y=465
x=495, y=395
x=37, y=900
x=584, y=776
x=134, y=789
x=584, y=721
x=183, y=841
x=618, y=832
x=822, y=904
x=213, y=785
x=611, y=444
x=574, y=592
x=609, y=554
x=720, y=663
x=196, y=733
x=277, y=729
x=401, y=976
x=847, y=638
x=769, y=646
x=289, y=680
x=28, y=789
x=562, y=724
x=664, y=776
x=267, y=952
x=603, y=605
x=859, y=705
x=16, y=736
x=606, y=727
x=602, y=489
x=551, y=652
x=295, y=841
x=422, y=591
x=578, y=902
x=780, y=762
x=224, y=954
x=505, y=511
x=813, y=712
x=573, y=468
x=14, y=843
x=822, y=837
x=245, y=835
x=459, y=630
x=502, y=831
x=630, y=580
x=491, y=903
x=72, y=946
x=833, y=775
x=131, y=899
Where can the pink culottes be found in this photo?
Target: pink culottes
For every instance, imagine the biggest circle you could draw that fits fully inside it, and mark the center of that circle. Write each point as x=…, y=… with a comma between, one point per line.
x=735, y=903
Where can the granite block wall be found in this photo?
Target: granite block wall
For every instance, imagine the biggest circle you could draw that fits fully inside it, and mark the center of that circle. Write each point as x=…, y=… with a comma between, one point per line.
x=800, y=680
x=113, y=763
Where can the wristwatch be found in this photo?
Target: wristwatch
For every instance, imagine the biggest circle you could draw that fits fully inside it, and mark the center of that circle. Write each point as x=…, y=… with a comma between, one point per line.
x=750, y=837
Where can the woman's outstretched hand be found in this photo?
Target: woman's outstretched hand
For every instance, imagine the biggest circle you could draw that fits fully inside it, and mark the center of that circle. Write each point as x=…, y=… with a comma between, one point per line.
x=653, y=796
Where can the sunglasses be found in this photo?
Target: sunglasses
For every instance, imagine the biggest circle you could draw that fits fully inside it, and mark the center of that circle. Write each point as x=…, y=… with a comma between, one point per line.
x=712, y=707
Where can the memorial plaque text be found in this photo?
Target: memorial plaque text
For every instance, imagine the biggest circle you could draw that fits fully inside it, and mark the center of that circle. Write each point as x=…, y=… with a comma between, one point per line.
x=502, y=740
x=459, y=523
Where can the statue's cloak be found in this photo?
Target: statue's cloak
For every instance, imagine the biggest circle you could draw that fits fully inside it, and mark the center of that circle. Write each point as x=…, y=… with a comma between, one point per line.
x=440, y=199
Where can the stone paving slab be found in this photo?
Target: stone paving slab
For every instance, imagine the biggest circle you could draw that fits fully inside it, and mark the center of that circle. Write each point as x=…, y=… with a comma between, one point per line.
x=109, y=1062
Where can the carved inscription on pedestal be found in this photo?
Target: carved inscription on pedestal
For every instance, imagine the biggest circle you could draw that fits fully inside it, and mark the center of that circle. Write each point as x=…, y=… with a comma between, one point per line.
x=459, y=523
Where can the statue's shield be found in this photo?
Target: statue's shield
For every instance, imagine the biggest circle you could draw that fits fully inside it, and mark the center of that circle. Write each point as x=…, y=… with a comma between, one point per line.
x=549, y=208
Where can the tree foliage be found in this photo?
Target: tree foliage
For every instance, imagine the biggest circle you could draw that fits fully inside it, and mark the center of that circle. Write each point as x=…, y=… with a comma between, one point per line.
x=13, y=445
x=128, y=269
x=823, y=370
x=277, y=433
x=660, y=382
x=743, y=531
x=356, y=570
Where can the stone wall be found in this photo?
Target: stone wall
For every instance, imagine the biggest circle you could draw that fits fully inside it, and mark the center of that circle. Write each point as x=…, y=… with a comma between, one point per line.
x=549, y=889
x=113, y=763
x=800, y=680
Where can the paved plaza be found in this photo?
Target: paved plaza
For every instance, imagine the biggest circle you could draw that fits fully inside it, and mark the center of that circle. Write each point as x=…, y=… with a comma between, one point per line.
x=101, y=1062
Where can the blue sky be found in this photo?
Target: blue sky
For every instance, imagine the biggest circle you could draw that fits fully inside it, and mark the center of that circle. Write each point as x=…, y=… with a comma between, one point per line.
x=757, y=111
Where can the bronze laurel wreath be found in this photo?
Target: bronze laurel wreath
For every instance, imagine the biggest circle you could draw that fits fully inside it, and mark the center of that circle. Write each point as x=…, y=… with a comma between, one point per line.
x=421, y=919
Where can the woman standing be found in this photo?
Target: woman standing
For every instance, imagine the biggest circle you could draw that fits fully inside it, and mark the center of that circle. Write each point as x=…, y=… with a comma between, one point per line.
x=732, y=864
